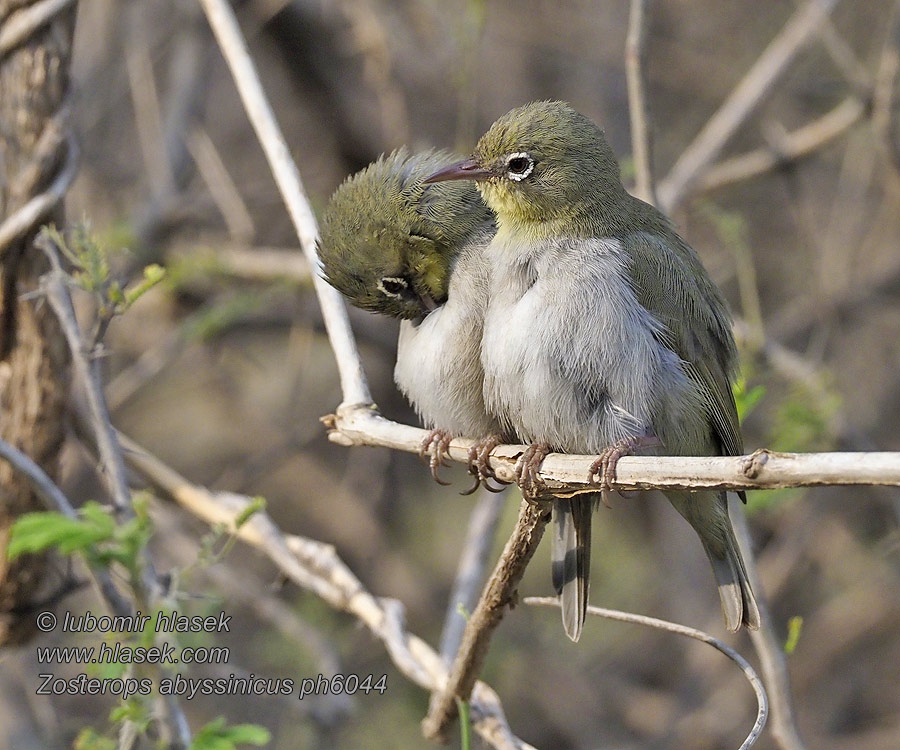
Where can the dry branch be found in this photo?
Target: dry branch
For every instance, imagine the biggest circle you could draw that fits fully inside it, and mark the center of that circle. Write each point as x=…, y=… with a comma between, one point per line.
x=789, y=147
x=671, y=627
x=641, y=149
x=567, y=474
x=498, y=594
x=316, y=567
x=758, y=82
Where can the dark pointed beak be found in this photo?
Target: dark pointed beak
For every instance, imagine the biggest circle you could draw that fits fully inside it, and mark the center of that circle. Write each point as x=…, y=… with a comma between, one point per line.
x=463, y=170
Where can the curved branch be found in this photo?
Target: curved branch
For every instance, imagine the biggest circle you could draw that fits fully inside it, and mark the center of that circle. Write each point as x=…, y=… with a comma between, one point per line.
x=762, y=700
x=317, y=567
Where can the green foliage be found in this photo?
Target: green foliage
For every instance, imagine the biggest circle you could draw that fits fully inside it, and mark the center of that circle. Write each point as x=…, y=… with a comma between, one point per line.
x=94, y=534
x=465, y=725
x=217, y=735
x=745, y=398
x=90, y=261
x=90, y=739
x=795, y=626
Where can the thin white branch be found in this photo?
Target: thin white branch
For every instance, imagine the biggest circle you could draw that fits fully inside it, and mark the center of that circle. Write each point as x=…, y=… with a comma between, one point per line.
x=768, y=647
x=354, y=387
x=641, y=146
x=758, y=82
x=762, y=700
x=567, y=474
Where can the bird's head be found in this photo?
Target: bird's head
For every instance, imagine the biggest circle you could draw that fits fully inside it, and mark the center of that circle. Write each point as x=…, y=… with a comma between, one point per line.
x=542, y=164
x=387, y=241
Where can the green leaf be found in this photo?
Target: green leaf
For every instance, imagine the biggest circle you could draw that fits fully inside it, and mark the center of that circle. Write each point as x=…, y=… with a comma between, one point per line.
x=216, y=735
x=36, y=532
x=795, y=626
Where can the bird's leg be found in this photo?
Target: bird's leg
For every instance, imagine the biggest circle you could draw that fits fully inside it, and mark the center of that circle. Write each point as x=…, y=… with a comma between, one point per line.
x=437, y=443
x=528, y=468
x=479, y=466
x=605, y=465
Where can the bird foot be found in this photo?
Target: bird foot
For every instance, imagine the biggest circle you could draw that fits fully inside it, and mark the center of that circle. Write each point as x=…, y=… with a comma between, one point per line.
x=527, y=470
x=480, y=468
x=437, y=444
x=604, y=467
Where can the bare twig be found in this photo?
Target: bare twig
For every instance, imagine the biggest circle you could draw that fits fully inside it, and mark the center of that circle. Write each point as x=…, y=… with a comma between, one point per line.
x=790, y=147
x=86, y=365
x=316, y=567
x=743, y=100
x=567, y=474
x=354, y=387
x=21, y=24
x=699, y=635
x=641, y=144
x=498, y=594
x=470, y=569
x=769, y=648
x=221, y=186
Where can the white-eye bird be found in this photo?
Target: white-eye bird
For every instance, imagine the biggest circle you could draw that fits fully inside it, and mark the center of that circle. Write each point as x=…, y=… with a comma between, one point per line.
x=394, y=245
x=603, y=332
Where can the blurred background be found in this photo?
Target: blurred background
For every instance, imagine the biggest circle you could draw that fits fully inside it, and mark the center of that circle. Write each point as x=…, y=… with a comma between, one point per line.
x=224, y=370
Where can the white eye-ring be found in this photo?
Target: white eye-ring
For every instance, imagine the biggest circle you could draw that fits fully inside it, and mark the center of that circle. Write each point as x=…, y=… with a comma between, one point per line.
x=393, y=286
x=519, y=165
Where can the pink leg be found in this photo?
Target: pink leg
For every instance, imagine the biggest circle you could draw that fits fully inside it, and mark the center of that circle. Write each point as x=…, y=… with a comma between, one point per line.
x=528, y=468
x=437, y=443
x=605, y=465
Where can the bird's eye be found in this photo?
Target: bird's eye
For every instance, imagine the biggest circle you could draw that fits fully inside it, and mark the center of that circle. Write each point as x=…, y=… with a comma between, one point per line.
x=519, y=166
x=394, y=286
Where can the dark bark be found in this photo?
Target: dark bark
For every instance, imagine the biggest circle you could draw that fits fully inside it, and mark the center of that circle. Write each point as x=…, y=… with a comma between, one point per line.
x=33, y=356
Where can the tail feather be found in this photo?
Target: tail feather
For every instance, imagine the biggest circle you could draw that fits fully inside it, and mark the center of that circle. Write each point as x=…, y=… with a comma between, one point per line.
x=571, y=555
x=708, y=514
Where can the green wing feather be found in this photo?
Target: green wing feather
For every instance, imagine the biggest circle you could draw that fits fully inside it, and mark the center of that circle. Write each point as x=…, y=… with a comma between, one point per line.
x=671, y=282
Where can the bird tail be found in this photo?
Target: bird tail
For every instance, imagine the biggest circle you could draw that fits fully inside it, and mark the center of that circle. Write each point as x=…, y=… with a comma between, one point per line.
x=707, y=512
x=571, y=556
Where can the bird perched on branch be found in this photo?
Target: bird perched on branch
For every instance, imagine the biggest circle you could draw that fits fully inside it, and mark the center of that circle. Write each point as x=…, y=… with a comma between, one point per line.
x=394, y=245
x=603, y=333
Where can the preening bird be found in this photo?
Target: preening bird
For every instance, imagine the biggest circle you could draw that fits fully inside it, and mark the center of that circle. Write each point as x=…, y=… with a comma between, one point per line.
x=394, y=245
x=603, y=332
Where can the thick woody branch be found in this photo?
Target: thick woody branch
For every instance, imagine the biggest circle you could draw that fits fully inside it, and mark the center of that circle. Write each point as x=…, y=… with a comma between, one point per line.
x=499, y=593
x=759, y=81
x=567, y=474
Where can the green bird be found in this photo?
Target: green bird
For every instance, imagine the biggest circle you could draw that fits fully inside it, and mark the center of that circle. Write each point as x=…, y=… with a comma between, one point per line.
x=394, y=245
x=603, y=332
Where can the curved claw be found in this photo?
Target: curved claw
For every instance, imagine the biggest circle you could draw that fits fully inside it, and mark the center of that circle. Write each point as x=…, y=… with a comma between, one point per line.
x=480, y=468
x=437, y=443
x=605, y=465
x=527, y=470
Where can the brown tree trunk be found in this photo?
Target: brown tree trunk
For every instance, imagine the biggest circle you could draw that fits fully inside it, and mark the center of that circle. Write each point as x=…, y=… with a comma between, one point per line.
x=33, y=357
